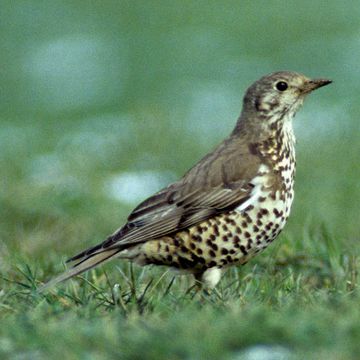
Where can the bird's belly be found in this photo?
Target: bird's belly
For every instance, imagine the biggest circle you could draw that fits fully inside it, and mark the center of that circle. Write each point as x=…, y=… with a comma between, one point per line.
x=229, y=238
x=264, y=219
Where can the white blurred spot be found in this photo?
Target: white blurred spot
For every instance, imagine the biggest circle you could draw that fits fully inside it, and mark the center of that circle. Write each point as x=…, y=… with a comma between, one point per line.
x=264, y=352
x=97, y=138
x=49, y=170
x=76, y=71
x=320, y=122
x=132, y=187
x=214, y=109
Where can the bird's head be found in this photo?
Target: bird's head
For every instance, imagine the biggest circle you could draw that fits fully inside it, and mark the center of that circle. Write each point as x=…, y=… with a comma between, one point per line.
x=276, y=97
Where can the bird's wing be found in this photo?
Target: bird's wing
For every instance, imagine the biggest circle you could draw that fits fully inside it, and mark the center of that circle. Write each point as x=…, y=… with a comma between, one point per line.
x=209, y=188
x=170, y=211
x=150, y=221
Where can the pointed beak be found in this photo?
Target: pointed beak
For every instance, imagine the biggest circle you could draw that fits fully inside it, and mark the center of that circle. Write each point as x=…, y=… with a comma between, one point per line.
x=315, y=84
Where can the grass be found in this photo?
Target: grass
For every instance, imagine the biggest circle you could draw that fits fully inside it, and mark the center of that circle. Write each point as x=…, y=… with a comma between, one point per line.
x=301, y=301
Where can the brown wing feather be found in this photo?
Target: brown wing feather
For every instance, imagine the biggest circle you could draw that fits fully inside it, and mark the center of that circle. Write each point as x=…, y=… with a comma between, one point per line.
x=219, y=182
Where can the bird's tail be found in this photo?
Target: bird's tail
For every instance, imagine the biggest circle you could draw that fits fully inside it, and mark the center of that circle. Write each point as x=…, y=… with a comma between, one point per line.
x=84, y=264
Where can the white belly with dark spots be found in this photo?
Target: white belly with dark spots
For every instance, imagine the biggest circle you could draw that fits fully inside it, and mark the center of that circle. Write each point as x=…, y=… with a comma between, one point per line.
x=268, y=211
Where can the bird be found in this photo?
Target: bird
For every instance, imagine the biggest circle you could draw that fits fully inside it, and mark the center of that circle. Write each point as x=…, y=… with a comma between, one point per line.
x=229, y=206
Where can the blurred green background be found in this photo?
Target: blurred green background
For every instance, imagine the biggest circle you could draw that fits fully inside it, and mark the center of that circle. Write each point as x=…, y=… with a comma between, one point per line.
x=103, y=103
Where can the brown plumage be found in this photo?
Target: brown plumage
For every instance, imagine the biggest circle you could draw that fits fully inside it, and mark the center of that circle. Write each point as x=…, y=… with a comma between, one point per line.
x=230, y=205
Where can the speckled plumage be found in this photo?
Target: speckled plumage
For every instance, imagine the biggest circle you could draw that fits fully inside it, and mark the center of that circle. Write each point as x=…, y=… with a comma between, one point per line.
x=235, y=236
x=231, y=205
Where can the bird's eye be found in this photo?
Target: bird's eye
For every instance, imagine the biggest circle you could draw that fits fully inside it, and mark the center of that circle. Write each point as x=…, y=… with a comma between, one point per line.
x=281, y=85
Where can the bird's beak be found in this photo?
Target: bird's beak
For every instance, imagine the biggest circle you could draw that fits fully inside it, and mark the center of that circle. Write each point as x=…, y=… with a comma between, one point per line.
x=315, y=84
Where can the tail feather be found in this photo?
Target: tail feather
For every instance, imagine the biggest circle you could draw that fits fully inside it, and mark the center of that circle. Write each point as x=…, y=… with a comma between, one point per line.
x=85, y=264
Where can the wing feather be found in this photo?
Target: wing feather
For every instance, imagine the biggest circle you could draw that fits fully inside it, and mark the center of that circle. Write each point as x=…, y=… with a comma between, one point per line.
x=212, y=186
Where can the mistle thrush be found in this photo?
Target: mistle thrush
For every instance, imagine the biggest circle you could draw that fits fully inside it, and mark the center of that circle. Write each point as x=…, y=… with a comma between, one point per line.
x=227, y=208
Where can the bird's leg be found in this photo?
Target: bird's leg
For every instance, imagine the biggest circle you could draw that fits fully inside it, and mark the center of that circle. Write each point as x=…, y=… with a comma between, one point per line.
x=211, y=277
x=207, y=280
